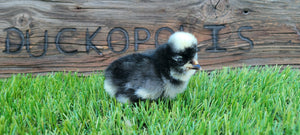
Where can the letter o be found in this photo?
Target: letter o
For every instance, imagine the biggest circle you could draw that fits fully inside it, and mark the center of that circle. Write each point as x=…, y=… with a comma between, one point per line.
x=157, y=34
x=109, y=39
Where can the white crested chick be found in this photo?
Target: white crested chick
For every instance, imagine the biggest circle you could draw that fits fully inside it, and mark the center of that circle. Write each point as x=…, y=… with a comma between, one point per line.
x=163, y=72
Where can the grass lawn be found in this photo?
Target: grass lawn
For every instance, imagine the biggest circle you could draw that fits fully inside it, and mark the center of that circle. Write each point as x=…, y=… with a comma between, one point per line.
x=229, y=101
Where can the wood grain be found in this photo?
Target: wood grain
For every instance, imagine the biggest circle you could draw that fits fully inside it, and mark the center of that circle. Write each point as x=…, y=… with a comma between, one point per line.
x=275, y=31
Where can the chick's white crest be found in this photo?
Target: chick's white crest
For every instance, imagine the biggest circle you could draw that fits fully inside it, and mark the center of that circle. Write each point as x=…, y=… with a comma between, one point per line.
x=182, y=40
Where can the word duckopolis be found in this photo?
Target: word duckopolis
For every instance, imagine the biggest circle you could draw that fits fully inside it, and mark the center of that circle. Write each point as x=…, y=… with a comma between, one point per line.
x=25, y=39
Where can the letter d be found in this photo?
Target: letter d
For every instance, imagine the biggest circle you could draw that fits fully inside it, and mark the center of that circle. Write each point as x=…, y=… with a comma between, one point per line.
x=7, y=41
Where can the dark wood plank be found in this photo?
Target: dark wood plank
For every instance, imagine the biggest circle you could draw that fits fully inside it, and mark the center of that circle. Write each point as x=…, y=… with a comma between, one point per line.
x=275, y=31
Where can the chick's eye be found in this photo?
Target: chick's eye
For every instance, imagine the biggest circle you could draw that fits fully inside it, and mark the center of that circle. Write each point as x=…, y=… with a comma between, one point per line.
x=178, y=59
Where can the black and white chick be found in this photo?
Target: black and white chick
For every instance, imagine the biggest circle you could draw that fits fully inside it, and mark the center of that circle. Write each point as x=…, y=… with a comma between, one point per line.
x=163, y=72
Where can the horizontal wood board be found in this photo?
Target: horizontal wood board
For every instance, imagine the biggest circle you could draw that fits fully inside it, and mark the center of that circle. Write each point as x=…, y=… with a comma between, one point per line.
x=272, y=26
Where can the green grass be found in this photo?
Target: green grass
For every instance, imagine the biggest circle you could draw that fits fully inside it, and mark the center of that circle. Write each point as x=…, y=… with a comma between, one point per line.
x=229, y=101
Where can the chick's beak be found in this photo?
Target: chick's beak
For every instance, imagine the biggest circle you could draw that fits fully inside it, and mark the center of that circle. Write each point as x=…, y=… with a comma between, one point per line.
x=196, y=65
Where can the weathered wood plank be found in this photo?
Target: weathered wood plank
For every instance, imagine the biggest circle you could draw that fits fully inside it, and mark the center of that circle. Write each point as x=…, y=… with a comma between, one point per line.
x=275, y=31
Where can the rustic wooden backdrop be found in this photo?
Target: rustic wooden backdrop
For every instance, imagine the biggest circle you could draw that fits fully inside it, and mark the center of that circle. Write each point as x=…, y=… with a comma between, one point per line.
x=275, y=32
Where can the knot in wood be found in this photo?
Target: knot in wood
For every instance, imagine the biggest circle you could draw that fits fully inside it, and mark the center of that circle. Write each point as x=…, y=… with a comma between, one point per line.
x=23, y=20
x=214, y=10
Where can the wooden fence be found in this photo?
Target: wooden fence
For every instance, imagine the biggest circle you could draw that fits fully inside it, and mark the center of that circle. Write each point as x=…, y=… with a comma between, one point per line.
x=86, y=35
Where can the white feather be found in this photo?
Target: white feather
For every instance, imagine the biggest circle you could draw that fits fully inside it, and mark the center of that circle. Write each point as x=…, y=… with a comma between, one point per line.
x=182, y=77
x=182, y=40
x=147, y=94
x=123, y=98
x=109, y=87
x=172, y=90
